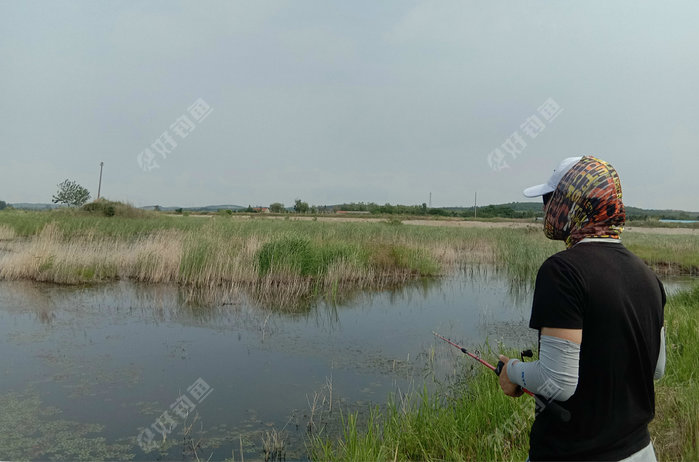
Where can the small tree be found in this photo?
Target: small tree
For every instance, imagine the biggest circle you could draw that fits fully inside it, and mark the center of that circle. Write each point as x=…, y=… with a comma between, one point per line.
x=300, y=207
x=3, y=205
x=276, y=207
x=71, y=193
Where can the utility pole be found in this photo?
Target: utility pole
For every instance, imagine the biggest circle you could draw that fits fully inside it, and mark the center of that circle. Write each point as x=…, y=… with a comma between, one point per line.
x=99, y=188
x=475, y=205
x=430, y=199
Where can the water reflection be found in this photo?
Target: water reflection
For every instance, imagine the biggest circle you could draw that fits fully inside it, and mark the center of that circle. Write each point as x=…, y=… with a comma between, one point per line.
x=117, y=355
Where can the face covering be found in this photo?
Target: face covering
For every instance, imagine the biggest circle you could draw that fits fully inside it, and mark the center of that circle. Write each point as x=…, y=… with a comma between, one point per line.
x=586, y=203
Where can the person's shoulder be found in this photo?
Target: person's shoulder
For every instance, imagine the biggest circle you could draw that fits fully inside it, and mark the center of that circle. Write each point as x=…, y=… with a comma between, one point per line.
x=587, y=252
x=560, y=262
x=562, y=258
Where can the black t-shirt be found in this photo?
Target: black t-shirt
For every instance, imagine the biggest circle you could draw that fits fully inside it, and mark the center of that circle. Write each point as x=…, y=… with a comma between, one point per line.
x=609, y=293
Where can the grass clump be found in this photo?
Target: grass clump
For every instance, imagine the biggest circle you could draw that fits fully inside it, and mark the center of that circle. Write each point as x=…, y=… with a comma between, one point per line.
x=299, y=256
x=303, y=257
x=401, y=258
x=109, y=208
x=195, y=258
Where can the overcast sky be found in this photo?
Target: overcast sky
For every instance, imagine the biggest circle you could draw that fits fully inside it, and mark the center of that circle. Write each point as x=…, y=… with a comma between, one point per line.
x=346, y=101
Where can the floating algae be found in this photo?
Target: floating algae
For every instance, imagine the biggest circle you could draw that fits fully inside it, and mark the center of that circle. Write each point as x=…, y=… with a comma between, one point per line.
x=32, y=432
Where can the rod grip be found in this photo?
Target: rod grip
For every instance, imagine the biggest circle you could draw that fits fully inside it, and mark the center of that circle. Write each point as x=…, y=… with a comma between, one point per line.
x=558, y=411
x=498, y=368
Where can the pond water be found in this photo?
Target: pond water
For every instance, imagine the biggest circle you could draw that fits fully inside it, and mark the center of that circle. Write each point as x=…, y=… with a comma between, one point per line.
x=89, y=372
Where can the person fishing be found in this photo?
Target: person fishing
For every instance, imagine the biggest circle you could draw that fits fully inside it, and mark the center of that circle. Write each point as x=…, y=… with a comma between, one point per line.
x=599, y=312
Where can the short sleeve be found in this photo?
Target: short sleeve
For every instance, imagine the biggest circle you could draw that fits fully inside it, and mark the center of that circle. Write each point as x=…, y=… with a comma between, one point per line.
x=663, y=298
x=663, y=294
x=559, y=296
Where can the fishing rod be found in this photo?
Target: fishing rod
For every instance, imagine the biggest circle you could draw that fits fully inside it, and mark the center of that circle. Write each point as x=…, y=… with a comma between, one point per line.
x=559, y=411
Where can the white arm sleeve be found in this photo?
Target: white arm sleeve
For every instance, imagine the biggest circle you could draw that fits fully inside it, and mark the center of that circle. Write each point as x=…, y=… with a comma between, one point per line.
x=660, y=365
x=554, y=375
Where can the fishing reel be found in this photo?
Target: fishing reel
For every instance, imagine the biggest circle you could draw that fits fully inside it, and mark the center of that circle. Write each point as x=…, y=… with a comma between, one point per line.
x=522, y=354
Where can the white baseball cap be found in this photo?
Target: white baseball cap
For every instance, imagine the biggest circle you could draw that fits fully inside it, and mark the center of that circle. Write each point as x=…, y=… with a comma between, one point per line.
x=550, y=186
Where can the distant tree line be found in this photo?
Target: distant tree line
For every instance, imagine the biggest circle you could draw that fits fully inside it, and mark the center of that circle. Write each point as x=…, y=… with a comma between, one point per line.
x=489, y=211
x=514, y=210
x=526, y=210
x=505, y=211
x=634, y=213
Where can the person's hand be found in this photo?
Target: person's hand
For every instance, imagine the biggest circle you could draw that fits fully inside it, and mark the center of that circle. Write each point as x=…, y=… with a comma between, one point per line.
x=510, y=389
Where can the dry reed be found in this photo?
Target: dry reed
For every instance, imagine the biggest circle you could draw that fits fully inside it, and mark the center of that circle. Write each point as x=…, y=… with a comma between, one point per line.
x=276, y=262
x=276, y=267
x=6, y=233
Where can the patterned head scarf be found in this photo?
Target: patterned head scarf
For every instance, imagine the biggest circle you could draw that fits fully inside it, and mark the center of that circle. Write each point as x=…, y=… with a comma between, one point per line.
x=586, y=203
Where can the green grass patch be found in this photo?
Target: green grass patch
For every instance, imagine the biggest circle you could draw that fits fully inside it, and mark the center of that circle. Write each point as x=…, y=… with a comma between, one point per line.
x=195, y=257
x=302, y=257
x=470, y=420
x=676, y=426
x=666, y=253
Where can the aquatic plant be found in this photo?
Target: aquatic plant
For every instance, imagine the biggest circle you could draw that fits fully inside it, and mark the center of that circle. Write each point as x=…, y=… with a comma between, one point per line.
x=51, y=438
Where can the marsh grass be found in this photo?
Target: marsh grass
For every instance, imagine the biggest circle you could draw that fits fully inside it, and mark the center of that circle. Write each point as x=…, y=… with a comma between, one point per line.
x=278, y=261
x=298, y=255
x=676, y=426
x=521, y=252
x=666, y=254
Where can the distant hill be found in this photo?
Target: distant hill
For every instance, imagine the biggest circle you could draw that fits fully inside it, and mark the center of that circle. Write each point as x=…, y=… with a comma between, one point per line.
x=206, y=208
x=632, y=213
x=636, y=213
x=35, y=206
